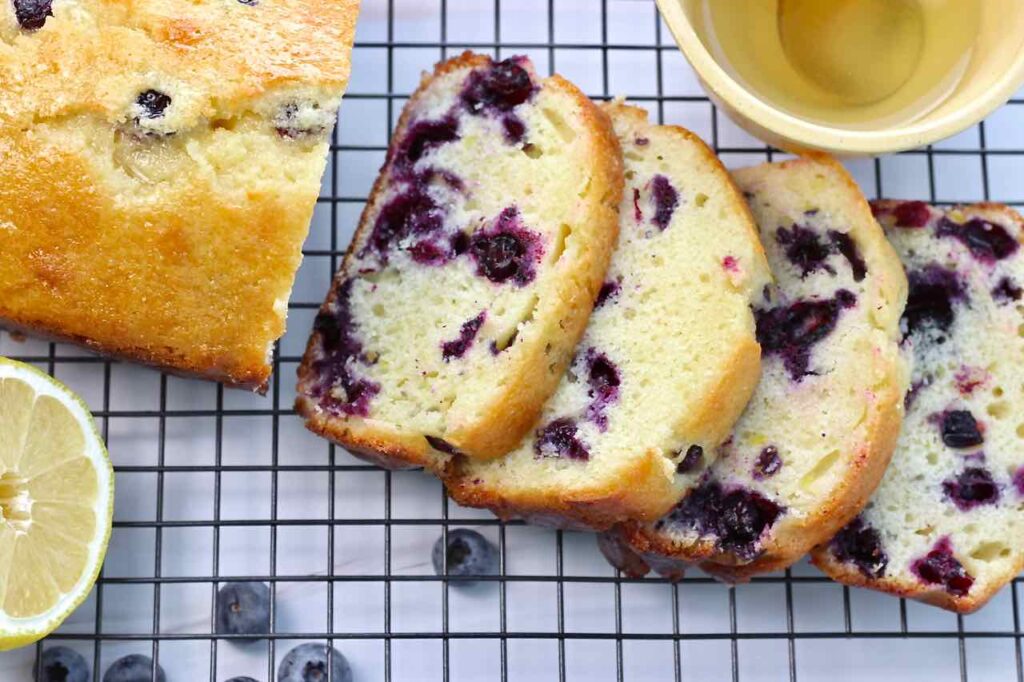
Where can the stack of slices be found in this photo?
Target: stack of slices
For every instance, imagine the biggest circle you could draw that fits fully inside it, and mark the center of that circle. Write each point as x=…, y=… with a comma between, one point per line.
x=576, y=317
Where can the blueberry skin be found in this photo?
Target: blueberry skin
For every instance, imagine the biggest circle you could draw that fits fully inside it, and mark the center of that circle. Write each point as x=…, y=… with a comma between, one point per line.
x=61, y=664
x=243, y=609
x=308, y=663
x=468, y=554
x=134, y=668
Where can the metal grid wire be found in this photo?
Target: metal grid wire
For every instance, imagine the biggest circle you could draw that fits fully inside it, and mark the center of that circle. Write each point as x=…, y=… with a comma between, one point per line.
x=216, y=486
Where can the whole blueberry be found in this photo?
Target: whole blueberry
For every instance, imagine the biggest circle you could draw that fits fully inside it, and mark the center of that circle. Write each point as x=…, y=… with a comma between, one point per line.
x=243, y=609
x=308, y=663
x=61, y=664
x=133, y=668
x=468, y=554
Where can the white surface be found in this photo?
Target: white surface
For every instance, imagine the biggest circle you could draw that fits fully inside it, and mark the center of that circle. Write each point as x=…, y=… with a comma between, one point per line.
x=360, y=503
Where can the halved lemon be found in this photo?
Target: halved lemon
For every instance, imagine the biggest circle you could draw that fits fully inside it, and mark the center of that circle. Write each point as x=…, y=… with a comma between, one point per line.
x=56, y=503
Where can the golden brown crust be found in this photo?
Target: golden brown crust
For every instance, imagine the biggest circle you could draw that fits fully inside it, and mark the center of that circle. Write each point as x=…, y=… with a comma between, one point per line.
x=512, y=413
x=187, y=272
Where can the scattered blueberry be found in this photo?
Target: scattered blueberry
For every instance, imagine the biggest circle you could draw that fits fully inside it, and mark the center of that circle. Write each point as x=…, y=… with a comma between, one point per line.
x=559, y=439
x=308, y=663
x=515, y=129
x=506, y=251
x=134, y=668
x=973, y=487
x=860, y=544
x=153, y=103
x=243, y=609
x=341, y=350
x=638, y=214
x=467, y=333
x=736, y=518
x=666, y=199
x=423, y=136
x=768, y=463
x=805, y=249
x=1018, y=480
x=503, y=85
x=986, y=241
x=31, y=14
x=940, y=567
x=693, y=458
x=468, y=554
x=61, y=664
x=1007, y=290
x=604, y=381
x=912, y=214
x=791, y=331
x=960, y=429
x=933, y=290
x=848, y=248
x=608, y=289
x=287, y=123
x=412, y=212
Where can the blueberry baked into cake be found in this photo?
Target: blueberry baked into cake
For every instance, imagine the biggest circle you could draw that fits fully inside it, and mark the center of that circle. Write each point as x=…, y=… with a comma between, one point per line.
x=817, y=435
x=473, y=271
x=946, y=523
x=668, y=360
x=159, y=165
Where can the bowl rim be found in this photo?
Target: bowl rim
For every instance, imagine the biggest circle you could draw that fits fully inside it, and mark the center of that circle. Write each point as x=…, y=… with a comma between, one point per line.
x=806, y=134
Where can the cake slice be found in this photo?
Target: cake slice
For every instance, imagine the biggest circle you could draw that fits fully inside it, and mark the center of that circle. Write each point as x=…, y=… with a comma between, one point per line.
x=668, y=360
x=159, y=165
x=946, y=523
x=473, y=271
x=820, y=429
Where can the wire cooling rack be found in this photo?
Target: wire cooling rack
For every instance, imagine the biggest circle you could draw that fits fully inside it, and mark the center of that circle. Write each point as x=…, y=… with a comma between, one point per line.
x=218, y=485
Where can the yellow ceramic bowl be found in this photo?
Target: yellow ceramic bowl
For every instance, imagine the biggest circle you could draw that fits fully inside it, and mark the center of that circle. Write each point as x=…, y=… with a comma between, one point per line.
x=996, y=71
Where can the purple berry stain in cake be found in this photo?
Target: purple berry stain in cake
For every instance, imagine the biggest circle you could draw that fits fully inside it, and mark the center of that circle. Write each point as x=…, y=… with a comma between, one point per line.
x=805, y=249
x=666, y=200
x=736, y=518
x=603, y=380
x=848, y=248
x=422, y=136
x=1018, y=480
x=638, y=214
x=559, y=439
x=971, y=488
x=861, y=545
x=407, y=214
x=933, y=291
x=340, y=350
x=914, y=214
x=691, y=461
x=730, y=264
x=152, y=104
x=960, y=429
x=506, y=251
x=767, y=464
x=987, y=241
x=940, y=567
x=791, y=332
x=608, y=290
x=1007, y=291
x=496, y=90
x=467, y=334
x=970, y=379
x=31, y=14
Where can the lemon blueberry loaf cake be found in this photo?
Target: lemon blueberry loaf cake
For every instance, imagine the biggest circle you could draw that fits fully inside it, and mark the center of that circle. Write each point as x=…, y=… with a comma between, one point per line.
x=820, y=429
x=473, y=271
x=668, y=360
x=945, y=525
x=159, y=165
